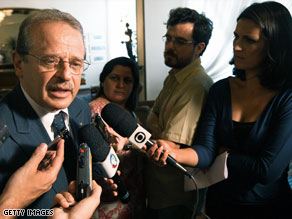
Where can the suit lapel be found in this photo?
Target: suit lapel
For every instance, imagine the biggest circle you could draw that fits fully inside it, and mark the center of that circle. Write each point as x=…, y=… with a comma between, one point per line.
x=28, y=127
x=76, y=121
x=30, y=132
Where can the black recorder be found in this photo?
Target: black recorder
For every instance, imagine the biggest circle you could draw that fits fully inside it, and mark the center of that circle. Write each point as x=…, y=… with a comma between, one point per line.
x=84, y=172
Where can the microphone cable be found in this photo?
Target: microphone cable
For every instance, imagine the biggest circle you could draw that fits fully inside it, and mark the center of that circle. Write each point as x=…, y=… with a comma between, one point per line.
x=197, y=194
x=197, y=197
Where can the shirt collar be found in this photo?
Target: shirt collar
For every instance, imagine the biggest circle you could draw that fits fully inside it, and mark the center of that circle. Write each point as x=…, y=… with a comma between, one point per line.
x=45, y=115
x=187, y=70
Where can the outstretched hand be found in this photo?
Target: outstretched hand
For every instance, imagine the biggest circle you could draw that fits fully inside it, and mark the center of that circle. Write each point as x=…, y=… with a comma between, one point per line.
x=70, y=209
x=30, y=181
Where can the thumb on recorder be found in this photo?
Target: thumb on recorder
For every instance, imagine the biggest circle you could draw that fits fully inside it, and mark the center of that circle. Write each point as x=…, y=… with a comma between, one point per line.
x=70, y=208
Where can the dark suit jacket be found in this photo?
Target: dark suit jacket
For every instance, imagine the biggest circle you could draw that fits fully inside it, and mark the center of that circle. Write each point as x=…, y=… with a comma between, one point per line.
x=26, y=133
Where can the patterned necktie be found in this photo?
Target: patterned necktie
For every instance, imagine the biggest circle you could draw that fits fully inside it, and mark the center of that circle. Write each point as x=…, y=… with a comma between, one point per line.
x=70, y=153
x=59, y=123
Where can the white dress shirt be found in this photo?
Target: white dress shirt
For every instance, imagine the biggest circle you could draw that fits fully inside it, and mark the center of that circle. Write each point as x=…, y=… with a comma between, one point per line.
x=46, y=116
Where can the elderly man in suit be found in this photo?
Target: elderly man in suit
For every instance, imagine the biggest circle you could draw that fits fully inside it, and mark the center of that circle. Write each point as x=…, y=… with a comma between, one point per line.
x=49, y=60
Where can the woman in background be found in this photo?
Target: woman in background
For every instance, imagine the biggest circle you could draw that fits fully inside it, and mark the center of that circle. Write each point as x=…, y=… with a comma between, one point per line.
x=119, y=82
x=250, y=116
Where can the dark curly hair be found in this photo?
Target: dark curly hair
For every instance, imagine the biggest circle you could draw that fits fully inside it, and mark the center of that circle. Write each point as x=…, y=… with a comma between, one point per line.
x=275, y=23
x=203, y=25
x=132, y=101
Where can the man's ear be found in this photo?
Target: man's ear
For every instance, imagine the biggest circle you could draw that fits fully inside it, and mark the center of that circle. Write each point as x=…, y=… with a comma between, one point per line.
x=200, y=48
x=17, y=62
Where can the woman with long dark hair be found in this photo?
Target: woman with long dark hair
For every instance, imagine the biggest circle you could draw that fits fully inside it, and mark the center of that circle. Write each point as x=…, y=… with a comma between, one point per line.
x=119, y=82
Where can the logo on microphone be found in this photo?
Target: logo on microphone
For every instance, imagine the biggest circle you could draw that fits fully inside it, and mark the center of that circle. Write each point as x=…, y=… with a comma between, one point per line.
x=140, y=137
x=113, y=161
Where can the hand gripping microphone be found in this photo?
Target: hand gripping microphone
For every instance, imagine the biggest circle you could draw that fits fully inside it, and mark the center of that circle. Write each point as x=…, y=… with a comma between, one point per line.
x=125, y=125
x=105, y=162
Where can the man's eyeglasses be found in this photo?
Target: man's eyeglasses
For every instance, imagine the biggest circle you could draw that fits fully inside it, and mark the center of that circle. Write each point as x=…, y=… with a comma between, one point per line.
x=176, y=41
x=52, y=63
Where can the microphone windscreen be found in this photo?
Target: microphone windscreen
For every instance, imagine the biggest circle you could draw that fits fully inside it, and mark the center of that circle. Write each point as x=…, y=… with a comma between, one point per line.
x=92, y=137
x=117, y=118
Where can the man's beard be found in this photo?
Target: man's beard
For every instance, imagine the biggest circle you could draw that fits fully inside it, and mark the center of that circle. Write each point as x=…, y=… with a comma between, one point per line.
x=171, y=60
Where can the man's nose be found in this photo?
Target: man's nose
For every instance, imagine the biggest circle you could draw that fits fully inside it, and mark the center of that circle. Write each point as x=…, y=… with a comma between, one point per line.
x=64, y=71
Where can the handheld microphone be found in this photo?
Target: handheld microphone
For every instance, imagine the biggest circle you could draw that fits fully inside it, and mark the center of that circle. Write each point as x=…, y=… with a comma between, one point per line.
x=105, y=162
x=4, y=134
x=84, y=172
x=126, y=126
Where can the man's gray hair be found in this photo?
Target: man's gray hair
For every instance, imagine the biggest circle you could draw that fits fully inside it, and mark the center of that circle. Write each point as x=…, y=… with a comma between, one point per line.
x=24, y=43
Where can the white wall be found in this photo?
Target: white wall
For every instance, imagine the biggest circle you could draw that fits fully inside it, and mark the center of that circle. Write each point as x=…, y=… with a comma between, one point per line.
x=156, y=14
x=103, y=22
